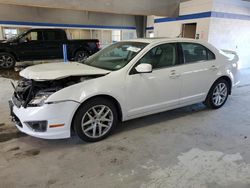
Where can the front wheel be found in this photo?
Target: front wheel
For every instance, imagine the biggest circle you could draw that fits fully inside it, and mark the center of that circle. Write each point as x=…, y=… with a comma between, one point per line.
x=95, y=119
x=7, y=61
x=218, y=94
x=81, y=56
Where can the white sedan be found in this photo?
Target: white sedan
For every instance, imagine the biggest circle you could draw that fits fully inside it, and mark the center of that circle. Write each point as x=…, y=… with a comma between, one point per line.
x=124, y=81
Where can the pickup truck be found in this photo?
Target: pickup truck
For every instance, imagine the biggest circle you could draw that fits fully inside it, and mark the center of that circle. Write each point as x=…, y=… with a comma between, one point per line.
x=43, y=44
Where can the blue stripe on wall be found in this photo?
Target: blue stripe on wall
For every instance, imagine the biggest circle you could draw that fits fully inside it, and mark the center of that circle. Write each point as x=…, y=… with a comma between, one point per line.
x=204, y=15
x=65, y=25
x=184, y=17
x=149, y=28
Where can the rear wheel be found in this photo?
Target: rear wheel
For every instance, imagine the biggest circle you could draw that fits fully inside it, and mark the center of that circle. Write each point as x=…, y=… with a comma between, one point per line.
x=95, y=119
x=7, y=61
x=81, y=56
x=218, y=94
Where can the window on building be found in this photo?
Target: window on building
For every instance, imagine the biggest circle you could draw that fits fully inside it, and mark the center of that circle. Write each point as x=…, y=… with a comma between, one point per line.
x=116, y=35
x=9, y=33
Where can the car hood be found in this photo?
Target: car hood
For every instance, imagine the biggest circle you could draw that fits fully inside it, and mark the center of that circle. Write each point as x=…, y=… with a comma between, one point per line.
x=4, y=43
x=54, y=71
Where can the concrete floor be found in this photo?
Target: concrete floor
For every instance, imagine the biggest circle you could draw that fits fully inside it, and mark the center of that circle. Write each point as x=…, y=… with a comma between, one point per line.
x=191, y=147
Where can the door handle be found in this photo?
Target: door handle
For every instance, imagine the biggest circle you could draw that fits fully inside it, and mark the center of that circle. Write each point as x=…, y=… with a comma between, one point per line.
x=213, y=68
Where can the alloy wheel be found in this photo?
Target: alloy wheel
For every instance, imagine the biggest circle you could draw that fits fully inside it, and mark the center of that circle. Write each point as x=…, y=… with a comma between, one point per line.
x=6, y=61
x=220, y=94
x=81, y=56
x=97, y=121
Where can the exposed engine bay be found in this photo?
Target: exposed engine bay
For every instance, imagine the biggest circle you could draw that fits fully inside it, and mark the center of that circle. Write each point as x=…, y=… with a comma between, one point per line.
x=28, y=90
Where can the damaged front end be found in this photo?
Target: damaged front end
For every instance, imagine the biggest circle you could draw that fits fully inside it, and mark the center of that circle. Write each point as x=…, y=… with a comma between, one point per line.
x=32, y=93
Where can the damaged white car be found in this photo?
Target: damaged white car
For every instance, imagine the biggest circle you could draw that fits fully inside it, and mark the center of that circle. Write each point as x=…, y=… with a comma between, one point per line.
x=123, y=81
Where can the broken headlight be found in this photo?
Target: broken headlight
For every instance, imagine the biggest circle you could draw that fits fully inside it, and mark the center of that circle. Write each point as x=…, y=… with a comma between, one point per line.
x=39, y=99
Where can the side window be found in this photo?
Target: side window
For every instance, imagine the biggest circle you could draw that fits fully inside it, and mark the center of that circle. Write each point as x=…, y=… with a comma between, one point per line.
x=164, y=55
x=53, y=35
x=195, y=52
x=32, y=36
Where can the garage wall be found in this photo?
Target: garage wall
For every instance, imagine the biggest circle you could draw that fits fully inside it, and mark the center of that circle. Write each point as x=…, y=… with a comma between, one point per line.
x=230, y=26
x=150, y=26
x=174, y=29
x=79, y=34
x=60, y=16
x=195, y=11
x=128, y=34
x=195, y=6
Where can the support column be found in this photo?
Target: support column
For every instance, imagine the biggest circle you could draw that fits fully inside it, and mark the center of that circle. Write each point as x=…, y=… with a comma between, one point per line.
x=141, y=24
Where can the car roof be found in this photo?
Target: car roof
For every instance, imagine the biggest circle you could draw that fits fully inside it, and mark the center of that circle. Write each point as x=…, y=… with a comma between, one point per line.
x=156, y=40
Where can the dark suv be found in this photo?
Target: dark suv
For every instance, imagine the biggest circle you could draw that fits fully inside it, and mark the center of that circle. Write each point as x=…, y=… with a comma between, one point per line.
x=41, y=44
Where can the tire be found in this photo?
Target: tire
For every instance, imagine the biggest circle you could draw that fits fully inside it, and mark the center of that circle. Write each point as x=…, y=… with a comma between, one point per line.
x=7, y=61
x=81, y=56
x=95, y=119
x=218, y=94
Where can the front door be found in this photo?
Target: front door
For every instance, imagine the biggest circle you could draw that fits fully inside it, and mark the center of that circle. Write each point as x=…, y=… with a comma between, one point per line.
x=31, y=46
x=151, y=92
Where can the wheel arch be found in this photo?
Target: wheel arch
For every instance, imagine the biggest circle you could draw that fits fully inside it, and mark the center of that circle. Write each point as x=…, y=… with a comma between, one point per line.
x=82, y=48
x=228, y=79
x=11, y=53
x=115, y=101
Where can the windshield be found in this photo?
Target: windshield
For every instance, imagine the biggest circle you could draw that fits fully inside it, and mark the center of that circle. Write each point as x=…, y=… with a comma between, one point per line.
x=115, y=56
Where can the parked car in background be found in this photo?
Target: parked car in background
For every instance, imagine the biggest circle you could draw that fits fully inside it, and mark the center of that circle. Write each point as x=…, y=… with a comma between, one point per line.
x=43, y=44
x=124, y=81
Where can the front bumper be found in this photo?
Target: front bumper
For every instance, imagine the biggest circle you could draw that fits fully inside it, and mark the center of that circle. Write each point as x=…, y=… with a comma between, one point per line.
x=55, y=114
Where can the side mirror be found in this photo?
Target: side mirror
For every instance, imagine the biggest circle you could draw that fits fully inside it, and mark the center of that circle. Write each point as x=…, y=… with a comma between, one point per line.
x=144, y=68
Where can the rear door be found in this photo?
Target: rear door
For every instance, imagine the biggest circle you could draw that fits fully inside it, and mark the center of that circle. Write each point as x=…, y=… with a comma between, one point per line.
x=198, y=72
x=53, y=41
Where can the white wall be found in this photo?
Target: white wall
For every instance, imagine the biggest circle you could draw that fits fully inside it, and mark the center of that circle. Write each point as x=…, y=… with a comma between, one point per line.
x=61, y=16
x=232, y=34
x=232, y=6
x=174, y=29
x=150, y=21
x=195, y=6
x=79, y=34
x=128, y=34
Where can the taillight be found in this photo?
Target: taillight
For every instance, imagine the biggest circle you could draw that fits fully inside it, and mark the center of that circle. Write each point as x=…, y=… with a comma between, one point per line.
x=98, y=45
